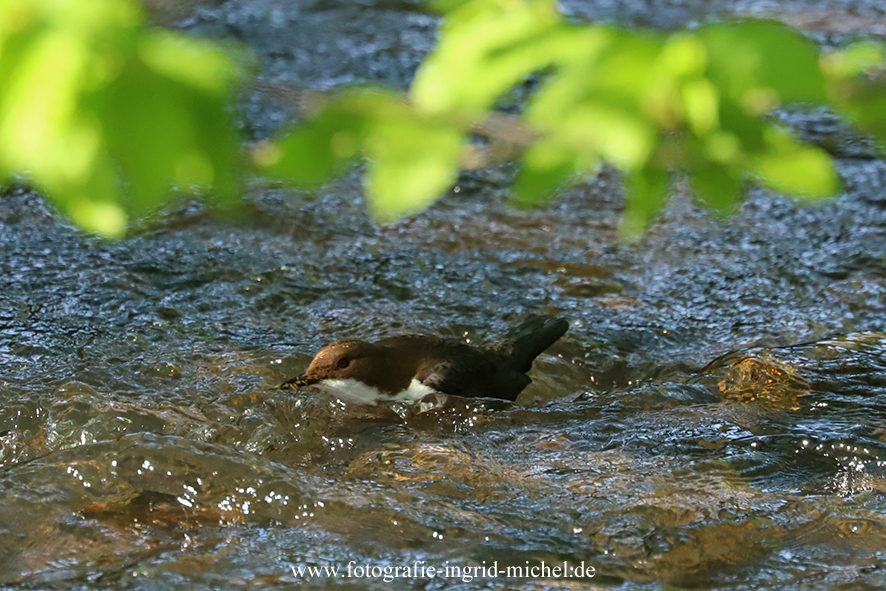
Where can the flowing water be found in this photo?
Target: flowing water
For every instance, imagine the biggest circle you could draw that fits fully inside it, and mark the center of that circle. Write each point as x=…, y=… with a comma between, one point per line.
x=713, y=419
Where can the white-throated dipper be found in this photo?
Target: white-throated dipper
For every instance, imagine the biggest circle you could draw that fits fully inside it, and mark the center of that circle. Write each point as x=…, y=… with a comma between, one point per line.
x=410, y=367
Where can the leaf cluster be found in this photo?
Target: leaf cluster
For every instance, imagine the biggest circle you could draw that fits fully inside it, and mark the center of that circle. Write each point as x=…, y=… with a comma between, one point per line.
x=107, y=115
x=695, y=103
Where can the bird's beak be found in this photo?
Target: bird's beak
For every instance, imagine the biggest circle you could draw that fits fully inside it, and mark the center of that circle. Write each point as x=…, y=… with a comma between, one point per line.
x=299, y=382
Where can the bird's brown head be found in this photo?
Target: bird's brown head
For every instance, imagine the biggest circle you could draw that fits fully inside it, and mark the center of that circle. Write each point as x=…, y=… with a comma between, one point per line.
x=340, y=361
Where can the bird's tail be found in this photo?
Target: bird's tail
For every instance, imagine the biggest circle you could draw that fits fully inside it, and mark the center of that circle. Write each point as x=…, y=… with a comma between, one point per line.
x=526, y=342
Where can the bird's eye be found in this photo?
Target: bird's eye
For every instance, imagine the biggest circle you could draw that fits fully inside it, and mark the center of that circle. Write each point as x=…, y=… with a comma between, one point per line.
x=343, y=362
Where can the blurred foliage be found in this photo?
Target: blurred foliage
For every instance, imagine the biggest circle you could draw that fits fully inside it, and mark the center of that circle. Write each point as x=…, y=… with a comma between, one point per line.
x=105, y=115
x=857, y=86
x=413, y=157
x=693, y=103
x=108, y=116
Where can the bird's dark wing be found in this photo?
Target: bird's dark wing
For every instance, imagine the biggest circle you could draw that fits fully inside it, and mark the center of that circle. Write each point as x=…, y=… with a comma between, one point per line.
x=474, y=378
x=444, y=377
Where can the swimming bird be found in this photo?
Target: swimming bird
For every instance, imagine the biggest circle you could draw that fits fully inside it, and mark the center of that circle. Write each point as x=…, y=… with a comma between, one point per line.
x=410, y=367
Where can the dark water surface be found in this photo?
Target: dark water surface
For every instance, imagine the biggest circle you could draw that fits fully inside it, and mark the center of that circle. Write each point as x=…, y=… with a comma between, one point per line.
x=142, y=444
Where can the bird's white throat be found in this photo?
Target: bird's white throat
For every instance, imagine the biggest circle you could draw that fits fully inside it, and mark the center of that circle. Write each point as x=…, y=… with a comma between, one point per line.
x=351, y=390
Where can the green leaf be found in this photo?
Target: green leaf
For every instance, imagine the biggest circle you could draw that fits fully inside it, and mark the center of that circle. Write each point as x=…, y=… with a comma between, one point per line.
x=647, y=189
x=792, y=167
x=748, y=130
x=716, y=186
x=41, y=131
x=618, y=135
x=701, y=101
x=486, y=47
x=547, y=166
x=597, y=105
x=106, y=116
x=856, y=86
x=93, y=206
x=312, y=153
x=854, y=60
x=863, y=102
x=412, y=161
x=413, y=157
x=188, y=61
x=762, y=64
x=164, y=131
